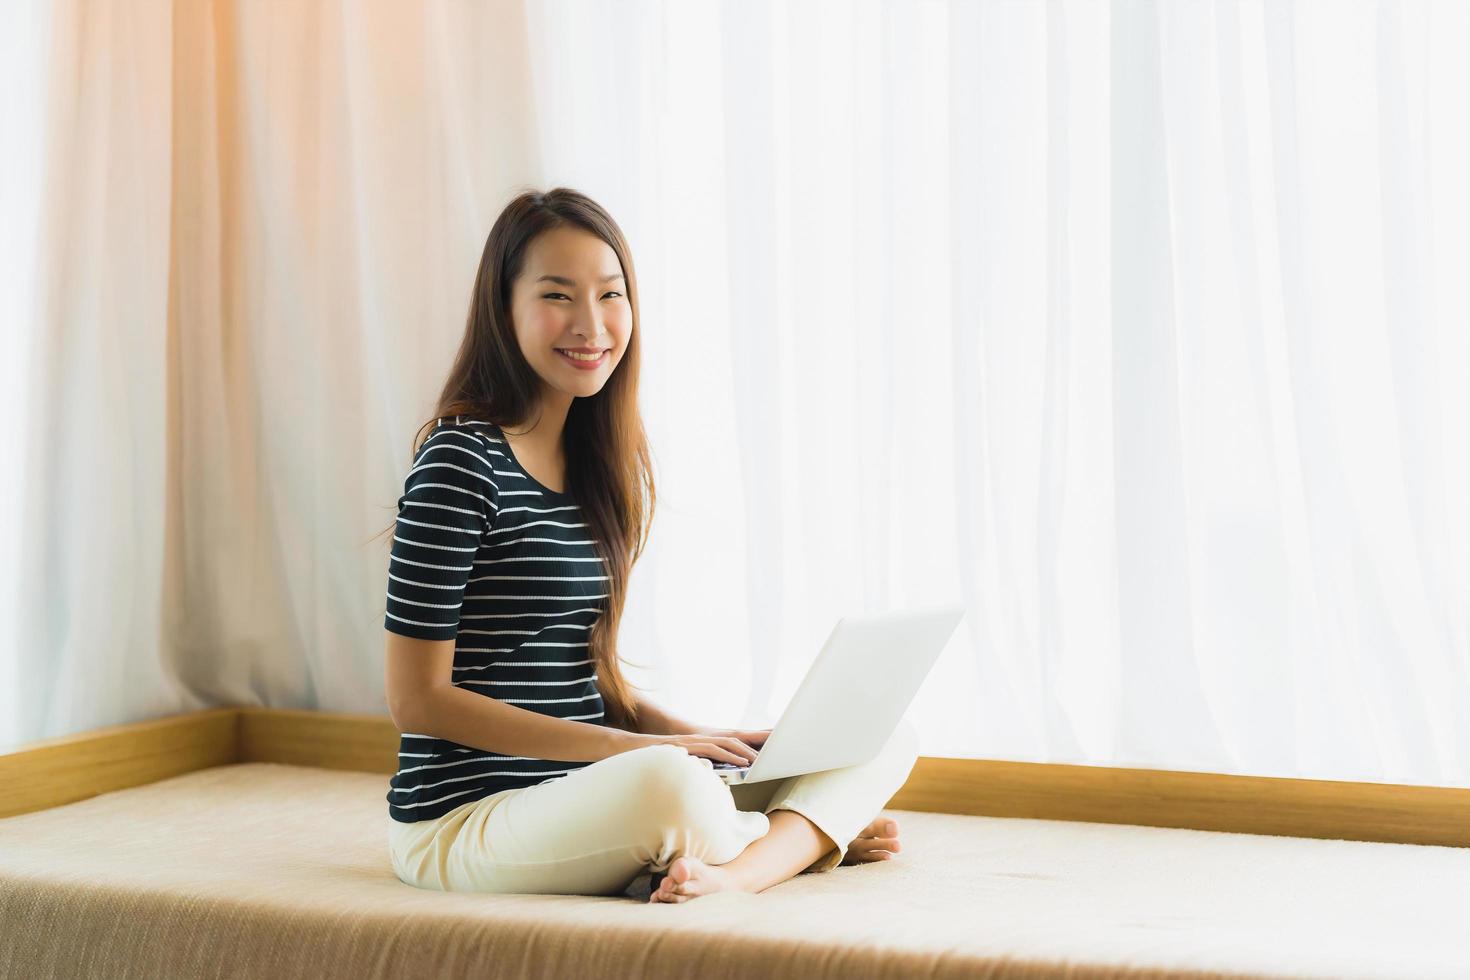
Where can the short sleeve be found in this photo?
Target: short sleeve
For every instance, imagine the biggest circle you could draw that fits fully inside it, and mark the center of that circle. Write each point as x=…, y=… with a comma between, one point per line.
x=449, y=502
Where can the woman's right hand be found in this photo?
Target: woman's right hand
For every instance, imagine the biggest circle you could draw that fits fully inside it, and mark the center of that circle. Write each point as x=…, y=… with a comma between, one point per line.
x=721, y=748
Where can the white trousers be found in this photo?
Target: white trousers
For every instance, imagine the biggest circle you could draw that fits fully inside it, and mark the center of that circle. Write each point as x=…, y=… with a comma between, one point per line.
x=596, y=829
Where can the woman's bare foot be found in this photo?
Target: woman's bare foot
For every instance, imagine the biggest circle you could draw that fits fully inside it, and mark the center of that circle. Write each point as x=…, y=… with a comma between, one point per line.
x=689, y=878
x=878, y=841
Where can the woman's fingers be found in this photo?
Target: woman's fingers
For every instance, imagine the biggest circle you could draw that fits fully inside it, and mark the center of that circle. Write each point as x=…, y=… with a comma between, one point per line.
x=744, y=754
x=726, y=748
x=717, y=750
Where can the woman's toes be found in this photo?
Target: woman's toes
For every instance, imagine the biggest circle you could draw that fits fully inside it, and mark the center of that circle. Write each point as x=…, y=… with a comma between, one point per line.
x=880, y=827
x=689, y=878
x=872, y=849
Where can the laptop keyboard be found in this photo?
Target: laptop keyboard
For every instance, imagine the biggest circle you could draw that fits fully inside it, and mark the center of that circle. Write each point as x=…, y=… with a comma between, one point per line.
x=729, y=765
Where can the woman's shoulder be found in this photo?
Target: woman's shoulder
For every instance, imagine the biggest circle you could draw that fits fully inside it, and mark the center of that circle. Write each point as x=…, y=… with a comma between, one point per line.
x=456, y=457
x=459, y=434
x=466, y=425
x=465, y=422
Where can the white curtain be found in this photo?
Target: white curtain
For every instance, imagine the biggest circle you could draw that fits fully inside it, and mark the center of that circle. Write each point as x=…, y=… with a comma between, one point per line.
x=1142, y=330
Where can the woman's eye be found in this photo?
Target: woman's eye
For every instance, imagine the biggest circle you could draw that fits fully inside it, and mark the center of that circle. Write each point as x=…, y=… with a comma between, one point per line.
x=564, y=295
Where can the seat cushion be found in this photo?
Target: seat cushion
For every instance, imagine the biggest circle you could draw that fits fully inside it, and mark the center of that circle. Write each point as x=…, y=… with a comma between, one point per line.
x=270, y=870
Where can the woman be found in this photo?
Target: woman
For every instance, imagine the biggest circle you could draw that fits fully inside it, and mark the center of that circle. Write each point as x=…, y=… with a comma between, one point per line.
x=526, y=763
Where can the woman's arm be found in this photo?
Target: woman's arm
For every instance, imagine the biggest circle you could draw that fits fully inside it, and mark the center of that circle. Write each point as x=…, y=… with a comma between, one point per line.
x=653, y=720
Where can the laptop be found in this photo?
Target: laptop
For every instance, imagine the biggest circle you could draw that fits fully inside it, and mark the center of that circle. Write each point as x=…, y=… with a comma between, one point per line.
x=853, y=695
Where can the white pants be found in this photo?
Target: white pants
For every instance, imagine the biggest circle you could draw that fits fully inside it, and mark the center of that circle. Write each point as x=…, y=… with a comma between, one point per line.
x=596, y=829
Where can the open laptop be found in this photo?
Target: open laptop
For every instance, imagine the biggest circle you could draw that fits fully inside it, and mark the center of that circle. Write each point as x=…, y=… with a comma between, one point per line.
x=853, y=694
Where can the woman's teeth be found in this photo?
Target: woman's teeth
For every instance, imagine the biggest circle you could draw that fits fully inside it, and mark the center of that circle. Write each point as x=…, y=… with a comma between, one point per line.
x=581, y=357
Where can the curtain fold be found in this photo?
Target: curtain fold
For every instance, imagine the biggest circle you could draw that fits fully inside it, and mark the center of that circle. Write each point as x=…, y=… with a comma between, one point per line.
x=1141, y=329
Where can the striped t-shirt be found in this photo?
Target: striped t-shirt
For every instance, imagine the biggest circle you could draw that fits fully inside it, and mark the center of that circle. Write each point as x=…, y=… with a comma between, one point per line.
x=485, y=555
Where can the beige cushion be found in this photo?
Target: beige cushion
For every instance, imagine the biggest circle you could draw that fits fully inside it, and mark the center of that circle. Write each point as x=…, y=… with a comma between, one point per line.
x=268, y=870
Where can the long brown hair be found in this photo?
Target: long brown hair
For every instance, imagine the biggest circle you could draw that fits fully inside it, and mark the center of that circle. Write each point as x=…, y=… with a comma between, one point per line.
x=609, y=468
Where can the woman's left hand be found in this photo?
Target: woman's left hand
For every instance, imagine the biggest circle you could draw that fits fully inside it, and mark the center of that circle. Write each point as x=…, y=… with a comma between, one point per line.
x=754, y=737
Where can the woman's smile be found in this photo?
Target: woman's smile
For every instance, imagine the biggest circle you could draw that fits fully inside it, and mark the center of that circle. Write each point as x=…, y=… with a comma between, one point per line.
x=584, y=361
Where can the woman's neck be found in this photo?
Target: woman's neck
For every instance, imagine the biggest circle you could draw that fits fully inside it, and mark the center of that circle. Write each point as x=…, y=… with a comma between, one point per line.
x=539, y=439
x=542, y=428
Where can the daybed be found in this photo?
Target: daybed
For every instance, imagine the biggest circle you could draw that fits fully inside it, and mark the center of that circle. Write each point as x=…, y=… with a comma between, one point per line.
x=252, y=843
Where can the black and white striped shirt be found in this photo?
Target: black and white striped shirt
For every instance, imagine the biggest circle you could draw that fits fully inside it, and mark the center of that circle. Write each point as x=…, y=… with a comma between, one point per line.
x=484, y=554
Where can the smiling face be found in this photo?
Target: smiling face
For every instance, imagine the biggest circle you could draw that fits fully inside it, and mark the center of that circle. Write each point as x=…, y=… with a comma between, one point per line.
x=570, y=295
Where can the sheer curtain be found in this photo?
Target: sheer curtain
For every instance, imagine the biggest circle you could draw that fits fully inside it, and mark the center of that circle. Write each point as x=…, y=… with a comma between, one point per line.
x=1142, y=330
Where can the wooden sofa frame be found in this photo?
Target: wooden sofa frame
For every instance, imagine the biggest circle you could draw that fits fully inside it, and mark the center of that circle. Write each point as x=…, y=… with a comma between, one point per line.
x=56, y=771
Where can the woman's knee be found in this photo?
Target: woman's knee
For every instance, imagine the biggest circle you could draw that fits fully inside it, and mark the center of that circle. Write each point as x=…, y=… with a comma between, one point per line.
x=680, y=788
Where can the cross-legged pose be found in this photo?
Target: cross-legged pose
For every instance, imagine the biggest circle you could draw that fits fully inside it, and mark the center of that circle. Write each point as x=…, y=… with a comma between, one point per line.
x=527, y=763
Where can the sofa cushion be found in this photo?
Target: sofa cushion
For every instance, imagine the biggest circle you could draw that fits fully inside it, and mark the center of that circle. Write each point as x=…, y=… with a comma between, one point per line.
x=270, y=870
